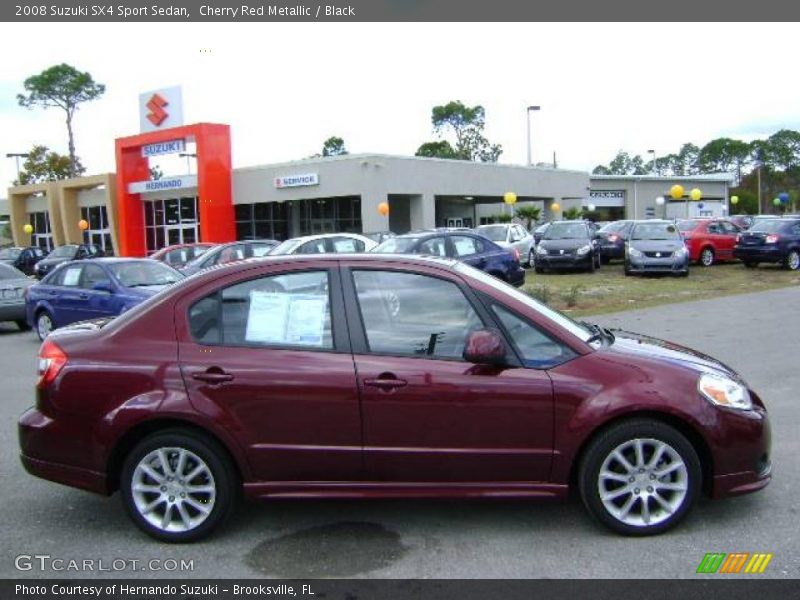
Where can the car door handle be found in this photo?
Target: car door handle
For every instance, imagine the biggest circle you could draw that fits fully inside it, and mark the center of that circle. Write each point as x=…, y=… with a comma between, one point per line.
x=386, y=383
x=212, y=377
x=83, y=296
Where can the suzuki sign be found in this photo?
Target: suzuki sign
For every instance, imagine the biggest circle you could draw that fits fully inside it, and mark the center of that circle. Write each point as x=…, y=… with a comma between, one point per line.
x=160, y=109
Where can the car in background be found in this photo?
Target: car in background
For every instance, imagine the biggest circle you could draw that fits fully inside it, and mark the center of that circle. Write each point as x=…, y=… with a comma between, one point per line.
x=230, y=252
x=771, y=241
x=567, y=245
x=13, y=286
x=22, y=259
x=379, y=236
x=233, y=383
x=611, y=238
x=656, y=246
x=539, y=230
x=326, y=243
x=709, y=240
x=465, y=246
x=178, y=255
x=66, y=253
x=84, y=290
x=510, y=235
x=741, y=221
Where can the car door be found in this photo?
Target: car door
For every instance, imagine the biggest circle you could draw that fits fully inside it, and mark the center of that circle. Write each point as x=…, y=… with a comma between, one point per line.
x=467, y=249
x=428, y=415
x=67, y=300
x=729, y=232
x=267, y=354
x=98, y=303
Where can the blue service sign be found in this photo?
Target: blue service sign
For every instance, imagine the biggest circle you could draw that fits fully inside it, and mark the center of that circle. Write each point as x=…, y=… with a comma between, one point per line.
x=170, y=147
x=297, y=180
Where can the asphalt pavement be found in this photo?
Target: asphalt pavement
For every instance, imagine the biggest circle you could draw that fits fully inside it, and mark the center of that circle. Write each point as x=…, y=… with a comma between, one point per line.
x=758, y=334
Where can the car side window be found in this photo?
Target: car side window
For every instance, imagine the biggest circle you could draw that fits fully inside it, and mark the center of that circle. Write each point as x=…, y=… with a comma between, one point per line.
x=92, y=274
x=260, y=249
x=71, y=276
x=176, y=257
x=730, y=228
x=312, y=247
x=465, y=245
x=290, y=310
x=538, y=350
x=796, y=229
x=433, y=247
x=408, y=314
x=714, y=228
x=230, y=254
x=344, y=244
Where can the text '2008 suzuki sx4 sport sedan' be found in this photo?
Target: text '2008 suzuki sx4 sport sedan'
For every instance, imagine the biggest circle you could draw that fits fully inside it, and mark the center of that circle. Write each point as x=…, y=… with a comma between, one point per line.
x=382, y=376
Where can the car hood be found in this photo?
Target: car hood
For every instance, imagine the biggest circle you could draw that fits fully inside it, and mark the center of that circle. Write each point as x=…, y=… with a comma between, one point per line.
x=656, y=245
x=570, y=244
x=637, y=344
x=57, y=260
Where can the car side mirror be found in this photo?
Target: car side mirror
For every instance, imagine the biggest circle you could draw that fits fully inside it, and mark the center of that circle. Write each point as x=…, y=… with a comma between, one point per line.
x=103, y=286
x=485, y=347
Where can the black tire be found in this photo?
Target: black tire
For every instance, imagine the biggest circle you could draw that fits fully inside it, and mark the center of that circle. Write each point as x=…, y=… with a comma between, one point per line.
x=628, y=272
x=684, y=273
x=792, y=260
x=223, y=480
x=685, y=479
x=592, y=265
x=604, y=259
x=539, y=270
x=707, y=256
x=23, y=325
x=41, y=328
x=750, y=264
x=531, y=258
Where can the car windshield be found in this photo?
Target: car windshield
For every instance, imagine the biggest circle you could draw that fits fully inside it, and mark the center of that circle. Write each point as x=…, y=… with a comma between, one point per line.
x=64, y=252
x=687, y=224
x=9, y=272
x=655, y=231
x=286, y=247
x=144, y=273
x=613, y=227
x=496, y=233
x=398, y=245
x=542, y=227
x=564, y=321
x=768, y=226
x=565, y=231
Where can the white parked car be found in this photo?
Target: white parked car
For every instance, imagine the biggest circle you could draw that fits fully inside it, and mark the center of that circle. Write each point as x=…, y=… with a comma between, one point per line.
x=325, y=243
x=511, y=236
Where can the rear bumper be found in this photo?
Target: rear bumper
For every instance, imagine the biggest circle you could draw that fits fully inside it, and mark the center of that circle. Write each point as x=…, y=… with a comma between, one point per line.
x=517, y=277
x=12, y=312
x=612, y=251
x=759, y=253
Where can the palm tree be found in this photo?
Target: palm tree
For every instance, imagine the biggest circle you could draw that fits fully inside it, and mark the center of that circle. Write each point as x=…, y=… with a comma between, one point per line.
x=531, y=214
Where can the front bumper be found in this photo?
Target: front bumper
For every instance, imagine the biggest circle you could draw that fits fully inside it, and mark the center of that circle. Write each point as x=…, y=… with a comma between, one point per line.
x=668, y=264
x=564, y=261
x=744, y=464
x=12, y=312
x=770, y=254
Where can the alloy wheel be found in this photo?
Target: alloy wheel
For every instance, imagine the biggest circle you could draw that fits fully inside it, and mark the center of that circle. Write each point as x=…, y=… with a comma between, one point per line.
x=707, y=257
x=793, y=260
x=44, y=325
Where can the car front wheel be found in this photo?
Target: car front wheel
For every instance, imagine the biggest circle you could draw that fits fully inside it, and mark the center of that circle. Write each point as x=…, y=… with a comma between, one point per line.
x=640, y=477
x=178, y=485
x=793, y=260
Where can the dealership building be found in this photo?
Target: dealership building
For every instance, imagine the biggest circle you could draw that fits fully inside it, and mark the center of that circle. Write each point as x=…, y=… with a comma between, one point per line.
x=132, y=213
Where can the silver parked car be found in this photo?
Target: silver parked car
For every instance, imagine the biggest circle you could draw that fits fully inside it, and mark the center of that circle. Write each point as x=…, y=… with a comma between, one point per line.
x=656, y=246
x=511, y=236
x=13, y=283
x=325, y=243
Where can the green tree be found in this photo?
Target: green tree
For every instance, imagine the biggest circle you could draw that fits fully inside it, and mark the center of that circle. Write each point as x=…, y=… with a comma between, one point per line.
x=782, y=149
x=333, y=146
x=43, y=165
x=570, y=214
x=441, y=149
x=622, y=164
x=64, y=87
x=529, y=213
x=723, y=155
x=464, y=124
x=502, y=217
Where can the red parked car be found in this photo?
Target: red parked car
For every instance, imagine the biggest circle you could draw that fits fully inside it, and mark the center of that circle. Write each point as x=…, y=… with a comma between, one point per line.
x=382, y=376
x=709, y=240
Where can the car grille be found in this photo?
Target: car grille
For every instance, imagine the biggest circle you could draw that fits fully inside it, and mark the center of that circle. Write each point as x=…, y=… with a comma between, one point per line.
x=658, y=254
x=560, y=252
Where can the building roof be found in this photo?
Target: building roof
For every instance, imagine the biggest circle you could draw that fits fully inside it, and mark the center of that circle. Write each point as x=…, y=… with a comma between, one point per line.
x=718, y=177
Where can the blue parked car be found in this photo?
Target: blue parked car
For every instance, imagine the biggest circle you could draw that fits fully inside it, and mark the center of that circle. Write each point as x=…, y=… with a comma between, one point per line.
x=91, y=289
x=772, y=241
x=465, y=246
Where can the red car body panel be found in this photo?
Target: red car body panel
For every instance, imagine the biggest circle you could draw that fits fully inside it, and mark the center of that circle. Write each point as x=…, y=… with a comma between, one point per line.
x=310, y=424
x=721, y=242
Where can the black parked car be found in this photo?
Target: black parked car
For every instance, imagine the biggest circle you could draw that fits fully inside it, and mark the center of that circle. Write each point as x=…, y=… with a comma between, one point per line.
x=612, y=238
x=66, y=253
x=538, y=232
x=656, y=246
x=22, y=259
x=465, y=246
x=568, y=245
x=773, y=241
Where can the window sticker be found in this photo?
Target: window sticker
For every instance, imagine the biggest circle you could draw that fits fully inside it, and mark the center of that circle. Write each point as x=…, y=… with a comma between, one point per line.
x=71, y=276
x=291, y=319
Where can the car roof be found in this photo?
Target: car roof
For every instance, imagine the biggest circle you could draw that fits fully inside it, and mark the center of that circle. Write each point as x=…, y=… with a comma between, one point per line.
x=322, y=236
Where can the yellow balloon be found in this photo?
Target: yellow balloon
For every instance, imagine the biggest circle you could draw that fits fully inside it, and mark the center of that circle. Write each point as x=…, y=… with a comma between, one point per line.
x=510, y=198
x=695, y=194
x=676, y=191
x=28, y=228
x=555, y=207
x=734, y=199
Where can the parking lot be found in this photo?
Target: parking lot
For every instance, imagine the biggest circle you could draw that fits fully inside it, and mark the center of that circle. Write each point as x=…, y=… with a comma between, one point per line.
x=754, y=333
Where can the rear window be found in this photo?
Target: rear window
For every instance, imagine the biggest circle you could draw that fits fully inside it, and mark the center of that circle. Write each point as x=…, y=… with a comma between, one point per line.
x=614, y=227
x=398, y=245
x=496, y=233
x=687, y=224
x=770, y=226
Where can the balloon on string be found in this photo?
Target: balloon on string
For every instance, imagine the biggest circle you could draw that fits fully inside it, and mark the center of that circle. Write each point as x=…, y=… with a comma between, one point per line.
x=695, y=194
x=734, y=199
x=383, y=208
x=510, y=198
x=676, y=191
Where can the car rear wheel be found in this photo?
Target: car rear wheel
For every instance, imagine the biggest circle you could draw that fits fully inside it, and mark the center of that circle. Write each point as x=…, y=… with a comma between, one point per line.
x=793, y=260
x=539, y=270
x=23, y=325
x=177, y=485
x=707, y=257
x=44, y=324
x=640, y=477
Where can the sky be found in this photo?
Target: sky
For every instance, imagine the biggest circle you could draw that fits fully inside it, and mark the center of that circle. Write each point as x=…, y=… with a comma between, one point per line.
x=285, y=88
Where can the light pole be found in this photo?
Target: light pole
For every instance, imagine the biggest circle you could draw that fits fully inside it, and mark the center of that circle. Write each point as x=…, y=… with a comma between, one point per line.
x=655, y=161
x=528, y=115
x=17, y=156
x=188, y=155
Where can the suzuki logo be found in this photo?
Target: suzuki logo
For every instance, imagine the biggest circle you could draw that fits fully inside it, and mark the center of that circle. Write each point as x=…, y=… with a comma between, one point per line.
x=562, y=252
x=658, y=254
x=157, y=113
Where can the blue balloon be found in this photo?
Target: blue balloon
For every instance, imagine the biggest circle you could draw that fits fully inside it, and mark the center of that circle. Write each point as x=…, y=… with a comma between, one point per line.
x=700, y=206
x=784, y=197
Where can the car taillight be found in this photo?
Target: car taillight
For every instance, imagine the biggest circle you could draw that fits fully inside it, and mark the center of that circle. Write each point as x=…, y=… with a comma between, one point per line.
x=516, y=254
x=51, y=360
x=613, y=237
x=738, y=237
x=772, y=239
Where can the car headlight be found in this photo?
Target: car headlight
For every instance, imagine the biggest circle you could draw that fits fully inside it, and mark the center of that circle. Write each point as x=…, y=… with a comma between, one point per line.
x=723, y=391
x=583, y=250
x=682, y=251
x=634, y=252
x=540, y=250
